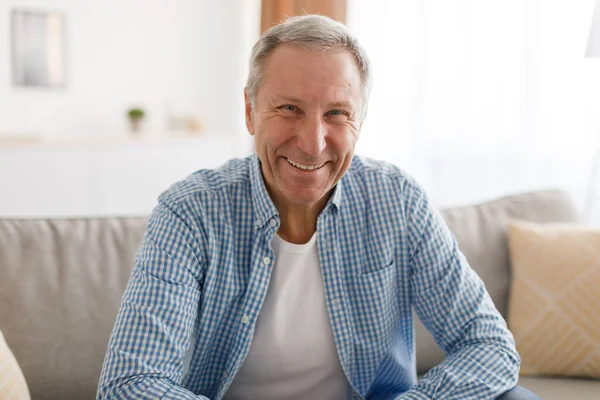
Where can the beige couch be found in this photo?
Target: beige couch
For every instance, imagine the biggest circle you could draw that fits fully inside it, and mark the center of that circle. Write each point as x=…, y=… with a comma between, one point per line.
x=61, y=282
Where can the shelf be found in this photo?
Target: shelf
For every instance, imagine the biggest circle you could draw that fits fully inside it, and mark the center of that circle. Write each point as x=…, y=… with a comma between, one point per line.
x=33, y=141
x=102, y=176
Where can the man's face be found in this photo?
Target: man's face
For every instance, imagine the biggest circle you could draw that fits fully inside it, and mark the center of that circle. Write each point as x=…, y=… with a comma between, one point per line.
x=306, y=122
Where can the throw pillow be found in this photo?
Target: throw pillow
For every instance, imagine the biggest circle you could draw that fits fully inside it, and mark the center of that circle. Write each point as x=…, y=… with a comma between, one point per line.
x=12, y=382
x=554, y=311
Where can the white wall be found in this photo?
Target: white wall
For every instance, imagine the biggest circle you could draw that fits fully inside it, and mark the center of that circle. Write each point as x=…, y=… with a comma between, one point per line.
x=189, y=55
x=192, y=55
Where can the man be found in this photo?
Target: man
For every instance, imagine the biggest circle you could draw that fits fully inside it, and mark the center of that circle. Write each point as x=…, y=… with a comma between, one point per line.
x=292, y=274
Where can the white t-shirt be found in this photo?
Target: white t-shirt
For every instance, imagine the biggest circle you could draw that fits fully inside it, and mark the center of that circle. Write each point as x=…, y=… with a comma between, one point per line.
x=293, y=353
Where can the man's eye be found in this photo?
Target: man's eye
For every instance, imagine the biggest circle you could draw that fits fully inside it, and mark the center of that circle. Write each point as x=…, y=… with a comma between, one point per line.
x=337, y=113
x=289, y=107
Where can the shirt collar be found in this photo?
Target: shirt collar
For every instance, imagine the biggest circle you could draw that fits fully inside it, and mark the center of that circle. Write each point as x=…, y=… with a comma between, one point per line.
x=265, y=208
x=336, y=200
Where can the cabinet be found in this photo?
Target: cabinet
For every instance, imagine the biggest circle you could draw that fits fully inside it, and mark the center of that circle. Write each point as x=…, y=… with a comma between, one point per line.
x=101, y=177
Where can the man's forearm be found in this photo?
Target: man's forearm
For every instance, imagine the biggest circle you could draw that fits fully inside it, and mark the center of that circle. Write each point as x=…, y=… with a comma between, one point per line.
x=492, y=371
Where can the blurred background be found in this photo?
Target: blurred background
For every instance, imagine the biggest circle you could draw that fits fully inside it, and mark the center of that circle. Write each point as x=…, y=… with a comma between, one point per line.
x=105, y=103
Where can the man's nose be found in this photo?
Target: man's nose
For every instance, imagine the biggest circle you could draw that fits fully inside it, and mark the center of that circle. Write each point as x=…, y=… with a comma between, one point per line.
x=311, y=138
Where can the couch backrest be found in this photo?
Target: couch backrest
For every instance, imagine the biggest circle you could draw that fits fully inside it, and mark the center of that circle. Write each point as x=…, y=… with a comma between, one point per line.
x=61, y=283
x=480, y=231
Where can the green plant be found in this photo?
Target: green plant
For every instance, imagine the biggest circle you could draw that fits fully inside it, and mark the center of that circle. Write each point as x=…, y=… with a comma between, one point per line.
x=136, y=114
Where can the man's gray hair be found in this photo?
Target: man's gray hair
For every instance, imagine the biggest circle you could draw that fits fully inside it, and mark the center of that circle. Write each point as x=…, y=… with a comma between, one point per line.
x=313, y=32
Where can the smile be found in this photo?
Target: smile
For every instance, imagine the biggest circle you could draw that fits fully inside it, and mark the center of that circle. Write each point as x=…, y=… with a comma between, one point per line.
x=304, y=167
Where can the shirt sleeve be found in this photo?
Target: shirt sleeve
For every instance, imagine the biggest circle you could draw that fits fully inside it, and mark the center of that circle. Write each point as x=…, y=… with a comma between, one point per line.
x=145, y=355
x=454, y=305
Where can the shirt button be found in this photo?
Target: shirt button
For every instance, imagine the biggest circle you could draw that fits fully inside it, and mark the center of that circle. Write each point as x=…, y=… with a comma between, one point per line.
x=273, y=222
x=245, y=319
x=336, y=304
x=266, y=260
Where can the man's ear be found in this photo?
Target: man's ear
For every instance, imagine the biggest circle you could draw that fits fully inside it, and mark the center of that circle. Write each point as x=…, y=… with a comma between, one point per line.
x=249, y=120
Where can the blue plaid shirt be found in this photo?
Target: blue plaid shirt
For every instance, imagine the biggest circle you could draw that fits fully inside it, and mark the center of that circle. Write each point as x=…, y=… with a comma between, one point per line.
x=188, y=313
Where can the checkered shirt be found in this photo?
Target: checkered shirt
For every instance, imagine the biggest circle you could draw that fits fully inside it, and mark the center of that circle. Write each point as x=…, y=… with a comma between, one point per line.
x=201, y=274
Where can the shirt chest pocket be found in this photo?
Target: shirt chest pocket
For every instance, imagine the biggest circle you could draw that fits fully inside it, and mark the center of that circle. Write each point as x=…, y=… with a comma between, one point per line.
x=375, y=303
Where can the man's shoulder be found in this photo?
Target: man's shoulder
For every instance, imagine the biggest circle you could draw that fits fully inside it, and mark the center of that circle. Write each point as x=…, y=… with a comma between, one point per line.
x=365, y=172
x=205, y=183
x=387, y=189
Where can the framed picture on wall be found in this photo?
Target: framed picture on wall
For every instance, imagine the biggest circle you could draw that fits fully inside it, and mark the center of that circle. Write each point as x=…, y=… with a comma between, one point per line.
x=38, y=48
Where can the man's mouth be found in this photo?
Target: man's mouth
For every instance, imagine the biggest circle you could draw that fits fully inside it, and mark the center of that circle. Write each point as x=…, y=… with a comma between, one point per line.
x=304, y=167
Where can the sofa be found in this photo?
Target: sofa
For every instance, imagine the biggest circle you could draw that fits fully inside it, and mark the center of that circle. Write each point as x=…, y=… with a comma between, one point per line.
x=61, y=282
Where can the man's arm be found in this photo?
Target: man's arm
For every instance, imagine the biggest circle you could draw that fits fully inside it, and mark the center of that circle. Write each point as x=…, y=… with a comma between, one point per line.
x=158, y=311
x=455, y=307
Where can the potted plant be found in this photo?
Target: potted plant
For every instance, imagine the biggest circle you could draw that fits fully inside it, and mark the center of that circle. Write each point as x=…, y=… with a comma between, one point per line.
x=136, y=115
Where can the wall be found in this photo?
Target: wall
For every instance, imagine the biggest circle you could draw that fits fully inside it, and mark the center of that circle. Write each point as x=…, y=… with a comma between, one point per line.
x=192, y=55
x=183, y=55
x=189, y=56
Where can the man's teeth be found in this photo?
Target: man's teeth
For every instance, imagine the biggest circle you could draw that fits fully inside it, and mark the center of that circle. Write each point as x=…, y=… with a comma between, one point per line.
x=304, y=167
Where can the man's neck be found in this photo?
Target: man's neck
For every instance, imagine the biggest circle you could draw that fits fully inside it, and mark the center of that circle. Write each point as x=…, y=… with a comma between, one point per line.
x=297, y=224
x=299, y=221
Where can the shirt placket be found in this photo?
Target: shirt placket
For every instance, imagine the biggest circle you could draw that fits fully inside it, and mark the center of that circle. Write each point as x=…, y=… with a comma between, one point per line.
x=263, y=259
x=336, y=297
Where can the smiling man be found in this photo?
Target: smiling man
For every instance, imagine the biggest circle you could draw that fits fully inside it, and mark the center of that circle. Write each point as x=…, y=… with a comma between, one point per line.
x=306, y=119
x=292, y=274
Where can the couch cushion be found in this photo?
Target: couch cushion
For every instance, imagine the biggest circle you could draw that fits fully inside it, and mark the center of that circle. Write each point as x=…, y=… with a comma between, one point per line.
x=561, y=389
x=481, y=234
x=553, y=308
x=61, y=286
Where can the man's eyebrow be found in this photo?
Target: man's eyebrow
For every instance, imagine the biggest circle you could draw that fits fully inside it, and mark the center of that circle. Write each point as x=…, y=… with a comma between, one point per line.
x=287, y=98
x=336, y=104
x=342, y=104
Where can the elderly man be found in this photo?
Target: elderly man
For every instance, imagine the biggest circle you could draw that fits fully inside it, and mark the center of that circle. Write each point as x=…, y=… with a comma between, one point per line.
x=292, y=273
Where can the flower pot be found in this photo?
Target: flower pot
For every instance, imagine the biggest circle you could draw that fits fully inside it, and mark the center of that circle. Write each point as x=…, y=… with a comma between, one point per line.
x=135, y=125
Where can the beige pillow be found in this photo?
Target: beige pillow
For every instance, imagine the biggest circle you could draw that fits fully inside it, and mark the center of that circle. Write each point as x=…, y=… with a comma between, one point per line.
x=554, y=305
x=12, y=382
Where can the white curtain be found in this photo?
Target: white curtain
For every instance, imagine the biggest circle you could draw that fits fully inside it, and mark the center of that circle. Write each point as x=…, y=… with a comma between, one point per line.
x=481, y=98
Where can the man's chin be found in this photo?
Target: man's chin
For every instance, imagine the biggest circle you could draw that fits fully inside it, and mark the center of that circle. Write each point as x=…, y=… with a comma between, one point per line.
x=308, y=198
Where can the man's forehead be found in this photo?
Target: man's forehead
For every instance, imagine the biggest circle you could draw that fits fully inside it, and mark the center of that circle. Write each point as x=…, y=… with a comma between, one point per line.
x=299, y=87
x=300, y=76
